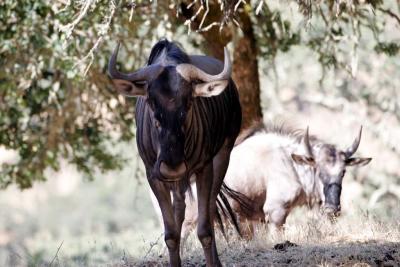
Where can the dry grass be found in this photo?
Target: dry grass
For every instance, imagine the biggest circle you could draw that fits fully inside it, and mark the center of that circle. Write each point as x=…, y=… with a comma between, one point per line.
x=356, y=240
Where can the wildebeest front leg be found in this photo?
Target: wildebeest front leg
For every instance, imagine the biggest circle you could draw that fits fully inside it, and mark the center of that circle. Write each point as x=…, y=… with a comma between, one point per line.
x=171, y=234
x=179, y=209
x=275, y=215
x=205, y=231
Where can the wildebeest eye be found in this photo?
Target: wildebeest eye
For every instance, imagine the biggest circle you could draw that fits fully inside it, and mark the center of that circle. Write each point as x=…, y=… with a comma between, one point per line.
x=342, y=173
x=157, y=124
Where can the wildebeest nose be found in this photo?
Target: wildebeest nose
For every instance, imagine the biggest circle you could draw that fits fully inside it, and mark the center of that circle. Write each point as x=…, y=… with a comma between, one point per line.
x=332, y=210
x=172, y=174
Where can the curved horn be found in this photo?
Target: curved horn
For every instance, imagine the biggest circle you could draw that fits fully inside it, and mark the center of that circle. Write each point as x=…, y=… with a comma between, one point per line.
x=191, y=72
x=353, y=148
x=143, y=74
x=307, y=144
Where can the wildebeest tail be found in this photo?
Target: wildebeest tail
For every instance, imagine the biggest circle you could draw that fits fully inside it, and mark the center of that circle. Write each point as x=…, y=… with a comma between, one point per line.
x=220, y=208
x=224, y=208
x=244, y=202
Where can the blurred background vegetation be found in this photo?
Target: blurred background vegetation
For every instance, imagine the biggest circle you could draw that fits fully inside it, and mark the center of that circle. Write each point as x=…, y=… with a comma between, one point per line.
x=332, y=65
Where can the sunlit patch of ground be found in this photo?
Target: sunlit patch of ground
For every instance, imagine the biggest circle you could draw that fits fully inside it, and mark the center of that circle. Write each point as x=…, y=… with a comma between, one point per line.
x=71, y=222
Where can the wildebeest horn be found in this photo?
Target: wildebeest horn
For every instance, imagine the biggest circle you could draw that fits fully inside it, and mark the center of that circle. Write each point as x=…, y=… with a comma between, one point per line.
x=351, y=150
x=144, y=74
x=191, y=72
x=307, y=145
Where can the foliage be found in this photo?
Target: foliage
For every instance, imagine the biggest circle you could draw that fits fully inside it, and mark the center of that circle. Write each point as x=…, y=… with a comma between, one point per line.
x=57, y=102
x=48, y=109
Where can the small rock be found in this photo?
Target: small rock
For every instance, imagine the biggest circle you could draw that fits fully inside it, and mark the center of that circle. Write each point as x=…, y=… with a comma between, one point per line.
x=388, y=257
x=285, y=245
x=378, y=262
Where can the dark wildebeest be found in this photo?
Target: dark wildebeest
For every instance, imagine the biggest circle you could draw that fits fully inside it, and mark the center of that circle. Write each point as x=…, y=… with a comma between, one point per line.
x=188, y=116
x=279, y=169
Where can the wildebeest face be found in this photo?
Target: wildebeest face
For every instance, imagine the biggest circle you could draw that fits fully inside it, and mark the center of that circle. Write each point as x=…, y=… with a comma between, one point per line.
x=330, y=168
x=169, y=97
x=170, y=91
x=329, y=165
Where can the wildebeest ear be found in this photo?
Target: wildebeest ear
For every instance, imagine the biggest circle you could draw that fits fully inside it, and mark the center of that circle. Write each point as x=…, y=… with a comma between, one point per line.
x=304, y=160
x=210, y=88
x=357, y=161
x=130, y=89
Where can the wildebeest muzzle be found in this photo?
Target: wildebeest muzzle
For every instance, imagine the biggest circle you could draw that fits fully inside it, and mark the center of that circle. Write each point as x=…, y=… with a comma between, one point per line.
x=332, y=199
x=172, y=174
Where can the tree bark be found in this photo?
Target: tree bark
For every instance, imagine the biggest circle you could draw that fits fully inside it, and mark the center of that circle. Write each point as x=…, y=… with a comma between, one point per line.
x=245, y=71
x=245, y=62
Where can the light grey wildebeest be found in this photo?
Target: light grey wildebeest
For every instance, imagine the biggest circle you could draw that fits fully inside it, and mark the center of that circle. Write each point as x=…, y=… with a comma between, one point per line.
x=278, y=169
x=181, y=100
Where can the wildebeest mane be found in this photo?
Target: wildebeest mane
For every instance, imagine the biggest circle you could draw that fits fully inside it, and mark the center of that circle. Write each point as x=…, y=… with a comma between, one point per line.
x=281, y=129
x=172, y=49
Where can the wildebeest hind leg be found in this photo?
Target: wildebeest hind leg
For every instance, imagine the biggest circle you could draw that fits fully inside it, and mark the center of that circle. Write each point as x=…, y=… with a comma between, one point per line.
x=205, y=231
x=220, y=166
x=171, y=234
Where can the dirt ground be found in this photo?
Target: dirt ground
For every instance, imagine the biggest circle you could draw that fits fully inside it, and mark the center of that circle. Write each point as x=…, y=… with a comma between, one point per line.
x=353, y=241
x=372, y=253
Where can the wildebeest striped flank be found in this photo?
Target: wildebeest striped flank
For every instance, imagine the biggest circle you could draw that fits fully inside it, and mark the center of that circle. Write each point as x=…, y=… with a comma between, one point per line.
x=188, y=116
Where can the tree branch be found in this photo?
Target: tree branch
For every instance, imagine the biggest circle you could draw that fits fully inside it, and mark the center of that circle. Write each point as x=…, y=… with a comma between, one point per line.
x=390, y=13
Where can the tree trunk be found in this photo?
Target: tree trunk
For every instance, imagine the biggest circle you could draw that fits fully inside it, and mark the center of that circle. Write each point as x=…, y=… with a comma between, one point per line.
x=245, y=71
x=245, y=62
